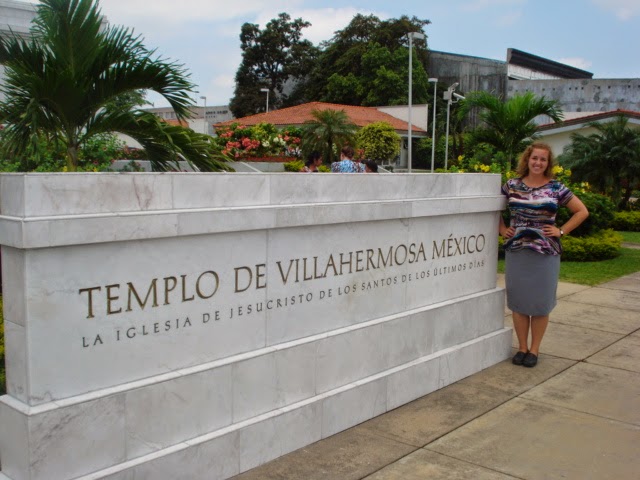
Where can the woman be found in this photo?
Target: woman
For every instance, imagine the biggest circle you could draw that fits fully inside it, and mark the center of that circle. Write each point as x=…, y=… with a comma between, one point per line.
x=314, y=160
x=532, y=246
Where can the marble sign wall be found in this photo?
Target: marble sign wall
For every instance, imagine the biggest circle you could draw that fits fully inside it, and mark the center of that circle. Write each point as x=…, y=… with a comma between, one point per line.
x=198, y=325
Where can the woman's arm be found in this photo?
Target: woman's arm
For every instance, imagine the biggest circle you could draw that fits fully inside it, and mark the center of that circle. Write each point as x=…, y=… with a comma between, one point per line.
x=580, y=214
x=504, y=231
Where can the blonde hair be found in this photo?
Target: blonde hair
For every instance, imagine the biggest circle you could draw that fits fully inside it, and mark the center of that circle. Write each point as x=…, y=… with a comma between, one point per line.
x=523, y=164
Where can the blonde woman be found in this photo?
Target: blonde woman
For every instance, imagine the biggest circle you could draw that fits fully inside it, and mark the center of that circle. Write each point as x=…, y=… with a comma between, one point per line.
x=533, y=246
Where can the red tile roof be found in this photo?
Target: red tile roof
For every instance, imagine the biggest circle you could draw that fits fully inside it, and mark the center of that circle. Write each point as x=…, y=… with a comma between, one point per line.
x=175, y=122
x=299, y=114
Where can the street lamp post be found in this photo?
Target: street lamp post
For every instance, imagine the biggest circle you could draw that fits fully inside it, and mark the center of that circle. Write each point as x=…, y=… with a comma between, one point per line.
x=448, y=96
x=433, y=122
x=206, y=127
x=266, y=90
x=412, y=35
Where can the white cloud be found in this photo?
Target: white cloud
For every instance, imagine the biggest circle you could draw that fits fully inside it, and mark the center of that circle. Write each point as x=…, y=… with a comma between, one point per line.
x=577, y=62
x=477, y=5
x=508, y=19
x=623, y=9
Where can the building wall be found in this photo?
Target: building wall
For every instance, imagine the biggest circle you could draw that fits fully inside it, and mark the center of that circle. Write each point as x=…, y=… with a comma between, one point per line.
x=594, y=95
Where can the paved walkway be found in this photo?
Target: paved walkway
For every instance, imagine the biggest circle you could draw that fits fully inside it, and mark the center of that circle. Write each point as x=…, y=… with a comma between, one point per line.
x=574, y=416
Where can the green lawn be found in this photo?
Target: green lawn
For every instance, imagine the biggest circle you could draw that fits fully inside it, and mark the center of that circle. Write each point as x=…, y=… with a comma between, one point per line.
x=594, y=273
x=630, y=237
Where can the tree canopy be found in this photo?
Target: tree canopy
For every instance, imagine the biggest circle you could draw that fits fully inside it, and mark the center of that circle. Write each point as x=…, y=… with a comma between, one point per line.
x=73, y=79
x=367, y=63
x=270, y=58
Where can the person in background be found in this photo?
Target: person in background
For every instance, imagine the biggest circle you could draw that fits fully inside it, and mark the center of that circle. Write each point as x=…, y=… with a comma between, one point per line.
x=346, y=163
x=532, y=246
x=314, y=160
x=370, y=166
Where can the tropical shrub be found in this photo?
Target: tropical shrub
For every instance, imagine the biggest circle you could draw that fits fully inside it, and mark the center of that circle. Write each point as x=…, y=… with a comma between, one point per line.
x=378, y=141
x=294, y=166
x=602, y=245
x=261, y=140
x=626, y=221
x=601, y=212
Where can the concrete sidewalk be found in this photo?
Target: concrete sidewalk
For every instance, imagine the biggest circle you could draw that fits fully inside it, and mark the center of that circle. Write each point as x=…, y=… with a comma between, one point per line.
x=576, y=415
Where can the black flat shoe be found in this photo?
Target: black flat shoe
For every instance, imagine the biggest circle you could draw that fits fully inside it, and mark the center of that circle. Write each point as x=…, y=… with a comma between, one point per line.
x=518, y=358
x=530, y=360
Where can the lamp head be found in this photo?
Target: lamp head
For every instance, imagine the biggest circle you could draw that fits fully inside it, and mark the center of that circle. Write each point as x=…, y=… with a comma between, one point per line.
x=432, y=80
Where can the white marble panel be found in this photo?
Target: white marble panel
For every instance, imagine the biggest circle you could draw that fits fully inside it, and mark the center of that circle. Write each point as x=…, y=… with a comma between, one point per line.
x=216, y=459
x=352, y=405
x=453, y=269
x=225, y=220
x=477, y=183
x=302, y=424
x=59, y=443
x=14, y=441
x=11, y=233
x=431, y=185
x=161, y=338
x=303, y=189
x=280, y=433
x=169, y=412
x=84, y=230
x=16, y=360
x=408, y=338
x=351, y=356
x=68, y=194
x=273, y=380
x=13, y=285
x=12, y=194
x=338, y=300
x=207, y=190
x=415, y=380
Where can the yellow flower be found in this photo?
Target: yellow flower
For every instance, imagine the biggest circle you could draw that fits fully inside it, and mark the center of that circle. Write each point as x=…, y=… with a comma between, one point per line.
x=557, y=170
x=64, y=169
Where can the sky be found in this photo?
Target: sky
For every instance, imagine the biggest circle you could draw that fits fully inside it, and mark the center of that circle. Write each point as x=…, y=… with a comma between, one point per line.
x=600, y=36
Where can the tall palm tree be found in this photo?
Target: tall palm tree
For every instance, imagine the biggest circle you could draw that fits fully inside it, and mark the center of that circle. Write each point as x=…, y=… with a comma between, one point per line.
x=327, y=133
x=608, y=159
x=63, y=82
x=508, y=126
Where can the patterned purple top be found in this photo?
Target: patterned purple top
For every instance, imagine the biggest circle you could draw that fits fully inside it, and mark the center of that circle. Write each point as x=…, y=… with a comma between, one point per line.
x=532, y=208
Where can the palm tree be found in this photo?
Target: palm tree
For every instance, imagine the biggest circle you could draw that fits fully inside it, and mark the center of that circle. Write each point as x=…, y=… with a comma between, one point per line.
x=508, y=125
x=63, y=83
x=608, y=159
x=327, y=133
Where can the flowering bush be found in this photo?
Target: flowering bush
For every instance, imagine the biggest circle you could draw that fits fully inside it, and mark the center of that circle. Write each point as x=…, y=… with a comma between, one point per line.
x=261, y=140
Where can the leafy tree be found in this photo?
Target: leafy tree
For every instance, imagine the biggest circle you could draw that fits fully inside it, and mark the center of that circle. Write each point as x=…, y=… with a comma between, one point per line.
x=327, y=133
x=608, y=159
x=73, y=80
x=270, y=58
x=367, y=63
x=379, y=141
x=508, y=125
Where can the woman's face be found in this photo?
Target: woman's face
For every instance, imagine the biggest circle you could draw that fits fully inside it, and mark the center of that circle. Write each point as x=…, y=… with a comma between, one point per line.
x=538, y=161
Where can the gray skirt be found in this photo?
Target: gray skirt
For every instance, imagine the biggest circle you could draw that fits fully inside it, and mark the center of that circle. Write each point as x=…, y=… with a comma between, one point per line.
x=532, y=281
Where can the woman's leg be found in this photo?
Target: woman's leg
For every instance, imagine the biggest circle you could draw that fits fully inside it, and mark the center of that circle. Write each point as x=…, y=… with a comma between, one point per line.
x=538, y=327
x=521, y=326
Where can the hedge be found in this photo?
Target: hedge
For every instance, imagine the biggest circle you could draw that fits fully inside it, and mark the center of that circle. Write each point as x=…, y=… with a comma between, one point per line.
x=626, y=221
x=603, y=245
